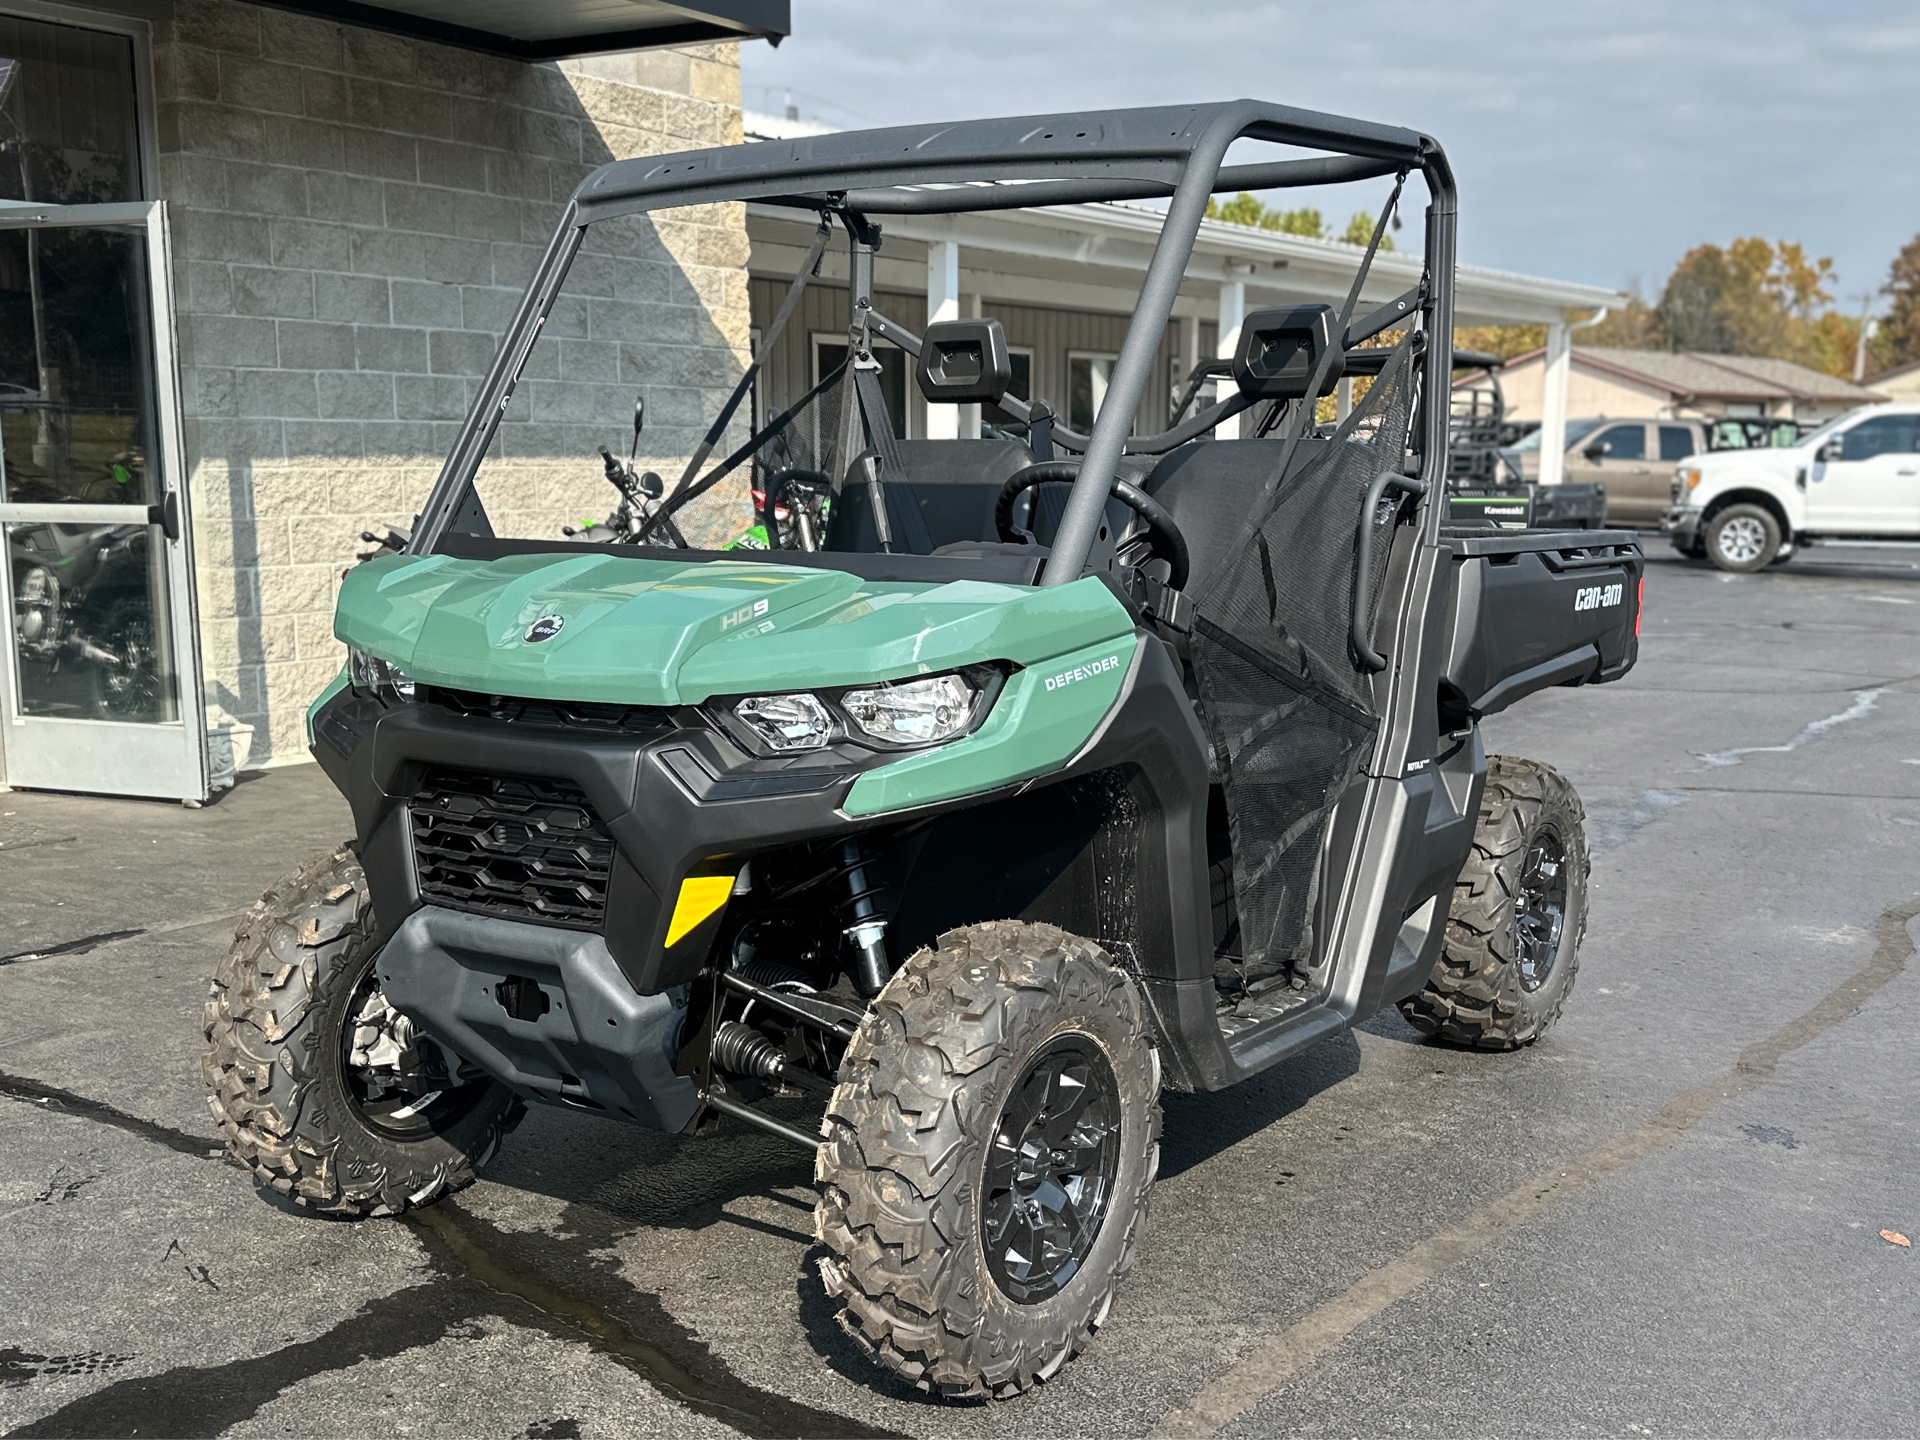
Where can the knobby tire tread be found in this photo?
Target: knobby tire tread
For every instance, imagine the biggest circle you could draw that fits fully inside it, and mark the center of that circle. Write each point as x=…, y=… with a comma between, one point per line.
x=905, y=1137
x=276, y=1087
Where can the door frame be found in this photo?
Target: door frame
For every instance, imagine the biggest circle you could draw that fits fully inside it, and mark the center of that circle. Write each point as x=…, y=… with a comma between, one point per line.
x=142, y=764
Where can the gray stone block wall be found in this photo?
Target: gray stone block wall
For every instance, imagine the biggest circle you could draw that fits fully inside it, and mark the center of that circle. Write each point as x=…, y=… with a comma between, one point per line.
x=353, y=218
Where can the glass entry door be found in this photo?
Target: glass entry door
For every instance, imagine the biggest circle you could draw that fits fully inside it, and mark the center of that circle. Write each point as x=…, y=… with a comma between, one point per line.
x=99, y=687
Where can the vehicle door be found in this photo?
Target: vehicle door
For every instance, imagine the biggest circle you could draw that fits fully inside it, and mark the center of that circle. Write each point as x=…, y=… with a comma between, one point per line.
x=1615, y=457
x=1866, y=479
x=1677, y=442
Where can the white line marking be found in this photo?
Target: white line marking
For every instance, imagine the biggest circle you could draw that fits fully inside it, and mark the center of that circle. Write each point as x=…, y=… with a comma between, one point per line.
x=1863, y=701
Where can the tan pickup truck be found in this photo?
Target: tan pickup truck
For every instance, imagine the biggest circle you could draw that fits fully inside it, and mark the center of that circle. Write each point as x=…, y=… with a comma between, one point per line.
x=1631, y=459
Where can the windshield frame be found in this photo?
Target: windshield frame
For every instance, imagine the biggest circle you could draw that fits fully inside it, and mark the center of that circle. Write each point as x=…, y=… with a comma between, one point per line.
x=1176, y=153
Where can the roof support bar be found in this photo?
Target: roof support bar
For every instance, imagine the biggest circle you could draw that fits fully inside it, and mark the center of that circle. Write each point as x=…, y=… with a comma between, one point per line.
x=1073, y=540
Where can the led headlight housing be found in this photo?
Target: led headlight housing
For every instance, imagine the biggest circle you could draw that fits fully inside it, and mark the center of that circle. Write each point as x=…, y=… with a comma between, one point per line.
x=913, y=713
x=895, y=715
x=378, y=677
x=786, y=723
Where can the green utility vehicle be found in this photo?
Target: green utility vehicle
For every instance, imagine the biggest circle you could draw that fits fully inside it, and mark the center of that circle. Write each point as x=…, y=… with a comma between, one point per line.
x=1017, y=778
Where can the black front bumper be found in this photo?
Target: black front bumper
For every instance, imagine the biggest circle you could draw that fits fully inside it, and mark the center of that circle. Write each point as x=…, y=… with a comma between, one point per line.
x=678, y=800
x=588, y=1040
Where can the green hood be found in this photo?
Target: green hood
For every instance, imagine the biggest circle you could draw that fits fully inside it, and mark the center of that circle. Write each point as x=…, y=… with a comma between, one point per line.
x=668, y=632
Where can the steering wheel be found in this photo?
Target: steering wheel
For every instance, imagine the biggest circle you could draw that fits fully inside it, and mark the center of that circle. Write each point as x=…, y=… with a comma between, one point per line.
x=1163, y=536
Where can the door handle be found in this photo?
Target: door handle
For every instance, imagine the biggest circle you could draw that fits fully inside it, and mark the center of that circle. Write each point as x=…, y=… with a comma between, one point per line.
x=166, y=515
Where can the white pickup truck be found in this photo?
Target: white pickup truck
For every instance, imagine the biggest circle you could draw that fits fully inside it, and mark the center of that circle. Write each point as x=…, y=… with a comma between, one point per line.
x=1855, y=478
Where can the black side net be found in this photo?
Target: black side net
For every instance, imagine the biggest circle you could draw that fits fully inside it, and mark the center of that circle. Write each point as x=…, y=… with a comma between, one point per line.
x=1288, y=709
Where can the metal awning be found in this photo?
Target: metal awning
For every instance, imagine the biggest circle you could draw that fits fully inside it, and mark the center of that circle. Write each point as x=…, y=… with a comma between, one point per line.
x=557, y=29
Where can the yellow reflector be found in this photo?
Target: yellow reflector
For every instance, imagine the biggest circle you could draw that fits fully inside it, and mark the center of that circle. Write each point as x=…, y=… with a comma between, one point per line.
x=700, y=897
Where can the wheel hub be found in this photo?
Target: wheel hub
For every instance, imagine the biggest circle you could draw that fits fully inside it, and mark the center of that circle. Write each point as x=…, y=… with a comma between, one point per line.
x=398, y=1078
x=1540, y=909
x=1742, y=539
x=1050, y=1170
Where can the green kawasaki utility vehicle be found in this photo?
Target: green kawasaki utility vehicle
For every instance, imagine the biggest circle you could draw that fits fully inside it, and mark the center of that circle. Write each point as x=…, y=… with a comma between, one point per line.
x=1015, y=779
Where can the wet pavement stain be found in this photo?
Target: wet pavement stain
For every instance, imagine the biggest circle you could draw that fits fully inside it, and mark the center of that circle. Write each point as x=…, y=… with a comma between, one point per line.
x=629, y=1325
x=201, y=1401
x=21, y=1367
x=70, y=947
x=481, y=1271
x=15, y=1087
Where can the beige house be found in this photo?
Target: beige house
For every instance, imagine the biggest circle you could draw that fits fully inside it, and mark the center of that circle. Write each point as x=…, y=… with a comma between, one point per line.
x=1672, y=385
x=1901, y=383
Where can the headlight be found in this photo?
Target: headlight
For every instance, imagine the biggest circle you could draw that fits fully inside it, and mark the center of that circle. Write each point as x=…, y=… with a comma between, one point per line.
x=371, y=673
x=913, y=712
x=786, y=722
x=1686, y=477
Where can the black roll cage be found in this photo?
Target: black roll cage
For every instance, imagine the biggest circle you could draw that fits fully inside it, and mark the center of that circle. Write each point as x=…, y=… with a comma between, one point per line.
x=1175, y=153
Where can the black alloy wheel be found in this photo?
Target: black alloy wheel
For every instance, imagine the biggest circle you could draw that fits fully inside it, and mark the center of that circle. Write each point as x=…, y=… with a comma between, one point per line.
x=1540, y=909
x=1050, y=1171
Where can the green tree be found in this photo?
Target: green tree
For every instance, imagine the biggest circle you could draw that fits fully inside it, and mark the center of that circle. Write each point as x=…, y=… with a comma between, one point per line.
x=1245, y=209
x=1756, y=297
x=1898, y=340
x=1360, y=230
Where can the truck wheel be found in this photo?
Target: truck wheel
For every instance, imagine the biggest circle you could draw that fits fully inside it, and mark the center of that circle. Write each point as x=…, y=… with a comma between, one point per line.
x=987, y=1159
x=1743, y=538
x=1519, y=912
x=321, y=1088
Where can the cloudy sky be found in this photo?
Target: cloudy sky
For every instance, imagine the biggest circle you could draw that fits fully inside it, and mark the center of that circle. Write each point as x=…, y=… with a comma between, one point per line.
x=1595, y=140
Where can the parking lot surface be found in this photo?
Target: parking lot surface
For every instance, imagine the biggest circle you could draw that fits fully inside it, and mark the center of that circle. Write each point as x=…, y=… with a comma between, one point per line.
x=1666, y=1218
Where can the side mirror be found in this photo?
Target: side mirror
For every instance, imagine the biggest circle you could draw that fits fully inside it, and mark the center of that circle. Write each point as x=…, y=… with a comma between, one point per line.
x=1597, y=451
x=1834, y=449
x=639, y=424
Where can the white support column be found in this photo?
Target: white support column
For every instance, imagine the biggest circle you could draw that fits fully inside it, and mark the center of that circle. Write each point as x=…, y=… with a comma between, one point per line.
x=1189, y=352
x=969, y=414
x=943, y=303
x=1343, y=398
x=1553, y=403
x=1233, y=310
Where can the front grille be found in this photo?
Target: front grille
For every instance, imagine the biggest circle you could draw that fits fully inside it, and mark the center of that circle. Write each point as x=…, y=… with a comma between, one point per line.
x=551, y=714
x=514, y=845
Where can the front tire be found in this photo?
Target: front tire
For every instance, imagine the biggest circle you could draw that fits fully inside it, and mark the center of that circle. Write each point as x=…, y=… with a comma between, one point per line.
x=1743, y=538
x=988, y=1156
x=1519, y=912
x=320, y=1087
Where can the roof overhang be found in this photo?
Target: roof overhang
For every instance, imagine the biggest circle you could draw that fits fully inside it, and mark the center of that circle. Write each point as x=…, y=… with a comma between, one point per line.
x=558, y=29
x=1095, y=256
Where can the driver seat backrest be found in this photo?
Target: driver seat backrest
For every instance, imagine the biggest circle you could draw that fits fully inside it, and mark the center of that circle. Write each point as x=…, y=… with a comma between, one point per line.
x=956, y=483
x=1212, y=488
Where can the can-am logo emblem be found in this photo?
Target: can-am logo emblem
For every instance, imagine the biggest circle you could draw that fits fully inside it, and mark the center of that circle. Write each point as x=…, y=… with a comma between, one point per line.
x=545, y=628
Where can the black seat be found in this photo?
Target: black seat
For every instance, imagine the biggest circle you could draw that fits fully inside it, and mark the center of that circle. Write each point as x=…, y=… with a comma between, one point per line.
x=956, y=483
x=1212, y=489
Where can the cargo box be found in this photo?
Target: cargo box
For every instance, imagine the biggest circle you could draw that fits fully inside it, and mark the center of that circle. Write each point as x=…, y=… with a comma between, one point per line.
x=1536, y=608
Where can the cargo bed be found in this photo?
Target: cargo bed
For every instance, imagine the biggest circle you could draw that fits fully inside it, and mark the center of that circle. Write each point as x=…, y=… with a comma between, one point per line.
x=1534, y=608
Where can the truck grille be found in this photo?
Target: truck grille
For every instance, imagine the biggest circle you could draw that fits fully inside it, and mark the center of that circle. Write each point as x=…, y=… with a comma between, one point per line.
x=514, y=845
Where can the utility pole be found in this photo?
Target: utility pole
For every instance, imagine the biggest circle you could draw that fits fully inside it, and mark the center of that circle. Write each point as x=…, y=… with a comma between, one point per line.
x=1867, y=326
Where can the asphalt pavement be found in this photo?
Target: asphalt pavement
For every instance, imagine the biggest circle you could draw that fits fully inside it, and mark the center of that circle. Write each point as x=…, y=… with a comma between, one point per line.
x=1665, y=1219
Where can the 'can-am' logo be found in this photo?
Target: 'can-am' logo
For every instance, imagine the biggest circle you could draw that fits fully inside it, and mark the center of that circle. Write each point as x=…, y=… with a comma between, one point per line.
x=545, y=628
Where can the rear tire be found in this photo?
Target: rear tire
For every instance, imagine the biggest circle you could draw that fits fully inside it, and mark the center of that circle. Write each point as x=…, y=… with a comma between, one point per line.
x=1513, y=937
x=306, y=1061
x=967, y=1266
x=1743, y=538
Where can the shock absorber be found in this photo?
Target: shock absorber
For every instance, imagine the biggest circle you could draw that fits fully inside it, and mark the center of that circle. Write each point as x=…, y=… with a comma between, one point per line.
x=867, y=930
